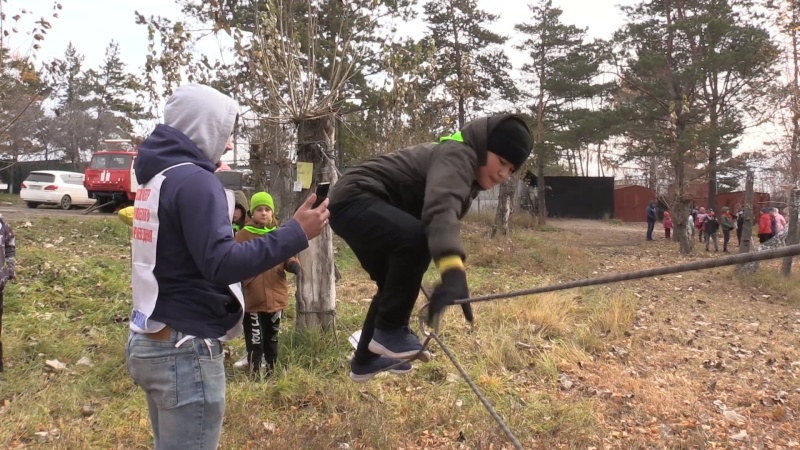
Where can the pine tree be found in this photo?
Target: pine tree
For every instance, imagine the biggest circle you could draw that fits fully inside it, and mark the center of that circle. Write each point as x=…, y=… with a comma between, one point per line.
x=115, y=96
x=71, y=80
x=564, y=68
x=738, y=59
x=470, y=63
x=73, y=121
x=693, y=69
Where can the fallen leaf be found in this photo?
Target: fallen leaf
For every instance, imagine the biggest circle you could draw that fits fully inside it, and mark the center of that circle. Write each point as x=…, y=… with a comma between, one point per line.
x=87, y=410
x=565, y=382
x=84, y=361
x=733, y=416
x=55, y=364
x=780, y=414
x=740, y=436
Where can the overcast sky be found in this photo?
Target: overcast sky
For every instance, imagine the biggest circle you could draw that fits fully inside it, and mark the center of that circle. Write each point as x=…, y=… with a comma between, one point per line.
x=91, y=24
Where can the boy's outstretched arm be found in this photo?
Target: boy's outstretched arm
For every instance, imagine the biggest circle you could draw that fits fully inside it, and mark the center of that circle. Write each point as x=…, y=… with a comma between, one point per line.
x=448, y=188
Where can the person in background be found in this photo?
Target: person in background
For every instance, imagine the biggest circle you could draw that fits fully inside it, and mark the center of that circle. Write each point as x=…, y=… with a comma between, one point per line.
x=727, y=225
x=700, y=220
x=651, y=219
x=739, y=224
x=710, y=228
x=239, y=217
x=8, y=269
x=667, y=225
x=780, y=220
x=765, y=227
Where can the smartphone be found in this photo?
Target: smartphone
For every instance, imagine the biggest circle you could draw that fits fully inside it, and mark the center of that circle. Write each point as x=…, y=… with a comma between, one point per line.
x=322, y=193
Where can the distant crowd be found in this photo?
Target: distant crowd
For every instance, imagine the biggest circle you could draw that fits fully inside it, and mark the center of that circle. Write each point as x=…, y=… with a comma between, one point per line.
x=706, y=225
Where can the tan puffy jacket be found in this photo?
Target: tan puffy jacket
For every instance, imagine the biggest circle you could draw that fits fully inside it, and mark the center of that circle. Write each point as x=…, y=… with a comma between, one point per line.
x=269, y=291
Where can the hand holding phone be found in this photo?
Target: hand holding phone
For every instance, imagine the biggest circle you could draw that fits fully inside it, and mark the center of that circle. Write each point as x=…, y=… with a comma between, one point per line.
x=311, y=217
x=322, y=193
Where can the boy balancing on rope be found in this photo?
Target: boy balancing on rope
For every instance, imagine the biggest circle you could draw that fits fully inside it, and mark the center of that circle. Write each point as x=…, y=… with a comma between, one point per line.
x=399, y=211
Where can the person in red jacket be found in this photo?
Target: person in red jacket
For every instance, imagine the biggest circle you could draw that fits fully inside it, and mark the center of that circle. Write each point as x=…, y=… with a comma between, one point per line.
x=764, y=226
x=667, y=224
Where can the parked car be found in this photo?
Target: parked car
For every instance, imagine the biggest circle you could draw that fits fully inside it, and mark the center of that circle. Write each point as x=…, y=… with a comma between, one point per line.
x=54, y=187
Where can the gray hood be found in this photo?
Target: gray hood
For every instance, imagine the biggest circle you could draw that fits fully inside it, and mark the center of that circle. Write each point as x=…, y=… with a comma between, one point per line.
x=204, y=115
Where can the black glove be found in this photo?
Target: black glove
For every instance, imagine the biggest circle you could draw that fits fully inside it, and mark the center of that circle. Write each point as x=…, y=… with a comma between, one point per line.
x=453, y=287
x=293, y=267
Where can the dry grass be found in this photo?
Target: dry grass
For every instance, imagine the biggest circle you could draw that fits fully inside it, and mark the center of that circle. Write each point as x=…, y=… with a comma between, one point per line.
x=516, y=353
x=768, y=281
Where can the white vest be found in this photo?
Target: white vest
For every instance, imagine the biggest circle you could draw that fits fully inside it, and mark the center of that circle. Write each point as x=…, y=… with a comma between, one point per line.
x=144, y=245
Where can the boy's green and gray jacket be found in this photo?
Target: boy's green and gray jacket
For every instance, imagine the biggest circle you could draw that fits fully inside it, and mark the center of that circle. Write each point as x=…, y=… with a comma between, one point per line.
x=434, y=182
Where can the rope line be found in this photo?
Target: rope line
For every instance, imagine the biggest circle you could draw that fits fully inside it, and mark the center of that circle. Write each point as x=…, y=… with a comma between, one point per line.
x=791, y=250
x=486, y=404
x=478, y=393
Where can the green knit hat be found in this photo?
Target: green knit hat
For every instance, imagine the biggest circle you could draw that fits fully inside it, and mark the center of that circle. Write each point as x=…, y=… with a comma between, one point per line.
x=261, y=199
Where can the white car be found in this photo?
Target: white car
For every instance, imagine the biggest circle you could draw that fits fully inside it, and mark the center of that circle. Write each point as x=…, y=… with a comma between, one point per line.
x=54, y=187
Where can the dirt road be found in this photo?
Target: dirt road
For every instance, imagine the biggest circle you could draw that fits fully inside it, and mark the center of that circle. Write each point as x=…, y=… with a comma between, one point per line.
x=712, y=361
x=22, y=212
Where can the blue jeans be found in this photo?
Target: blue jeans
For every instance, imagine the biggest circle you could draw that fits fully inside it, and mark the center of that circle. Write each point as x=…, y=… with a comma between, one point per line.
x=184, y=386
x=650, y=227
x=712, y=238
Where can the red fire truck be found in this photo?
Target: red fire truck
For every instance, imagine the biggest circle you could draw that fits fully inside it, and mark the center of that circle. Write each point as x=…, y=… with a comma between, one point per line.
x=110, y=179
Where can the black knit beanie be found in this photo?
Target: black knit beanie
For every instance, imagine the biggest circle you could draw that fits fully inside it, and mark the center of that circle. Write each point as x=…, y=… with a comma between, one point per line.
x=511, y=140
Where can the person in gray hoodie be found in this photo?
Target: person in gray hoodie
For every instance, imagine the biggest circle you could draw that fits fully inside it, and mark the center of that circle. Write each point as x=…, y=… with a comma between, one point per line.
x=186, y=267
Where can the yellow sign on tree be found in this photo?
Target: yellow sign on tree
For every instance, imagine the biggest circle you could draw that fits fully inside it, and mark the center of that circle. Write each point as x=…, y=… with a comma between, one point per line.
x=305, y=173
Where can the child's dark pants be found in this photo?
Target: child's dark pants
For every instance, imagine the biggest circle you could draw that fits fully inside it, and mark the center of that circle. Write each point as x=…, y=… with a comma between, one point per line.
x=261, y=339
x=392, y=247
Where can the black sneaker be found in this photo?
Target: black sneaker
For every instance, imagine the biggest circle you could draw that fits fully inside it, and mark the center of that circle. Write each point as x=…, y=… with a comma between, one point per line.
x=398, y=343
x=361, y=373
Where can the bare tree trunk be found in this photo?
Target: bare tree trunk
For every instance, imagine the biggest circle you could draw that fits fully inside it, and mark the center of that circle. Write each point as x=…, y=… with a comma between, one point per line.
x=280, y=184
x=747, y=228
x=258, y=165
x=682, y=204
x=794, y=157
x=793, y=237
x=316, y=290
x=713, y=158
x=273, y=171
x=681, y=210
x=652, y=178
x=600, y=168
x=540, y=151
x=505, y=202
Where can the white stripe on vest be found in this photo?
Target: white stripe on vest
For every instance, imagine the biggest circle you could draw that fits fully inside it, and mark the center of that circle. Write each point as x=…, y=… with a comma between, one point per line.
x=144, y=245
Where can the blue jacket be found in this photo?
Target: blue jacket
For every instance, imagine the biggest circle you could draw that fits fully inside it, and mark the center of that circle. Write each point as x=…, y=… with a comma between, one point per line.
x=651, y=213
x=196, y=256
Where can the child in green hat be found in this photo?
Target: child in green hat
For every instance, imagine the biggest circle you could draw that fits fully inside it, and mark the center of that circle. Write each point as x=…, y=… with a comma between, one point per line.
x=265, y=295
